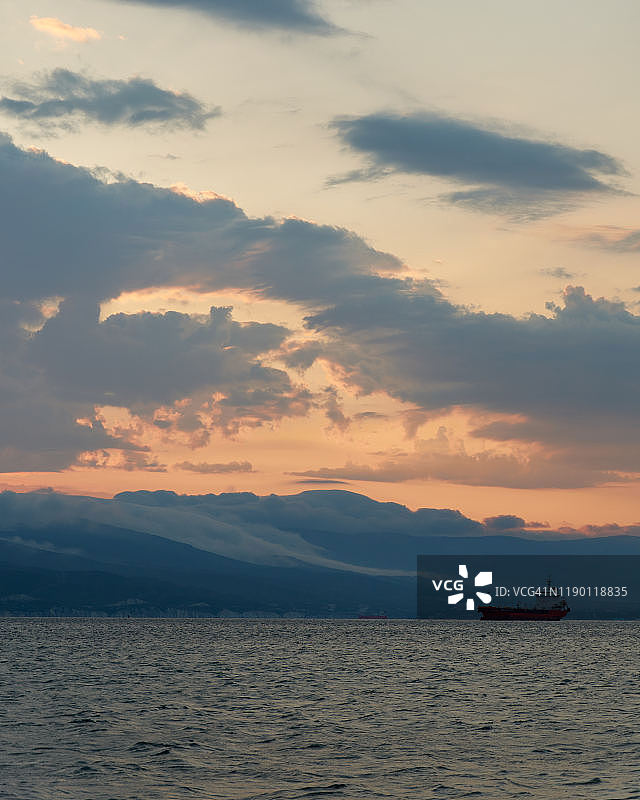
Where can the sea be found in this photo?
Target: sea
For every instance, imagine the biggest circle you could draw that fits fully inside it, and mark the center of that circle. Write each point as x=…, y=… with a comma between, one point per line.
x=139, y=709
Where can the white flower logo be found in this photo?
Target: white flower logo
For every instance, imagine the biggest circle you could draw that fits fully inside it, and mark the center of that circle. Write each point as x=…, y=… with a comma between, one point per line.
x=481, y=579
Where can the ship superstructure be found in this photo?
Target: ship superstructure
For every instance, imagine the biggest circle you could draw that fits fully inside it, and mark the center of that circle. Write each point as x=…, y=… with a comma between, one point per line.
x=547, y=604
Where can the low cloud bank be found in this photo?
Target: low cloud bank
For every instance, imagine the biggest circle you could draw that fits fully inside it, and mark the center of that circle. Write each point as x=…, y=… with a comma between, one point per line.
x=331, y=529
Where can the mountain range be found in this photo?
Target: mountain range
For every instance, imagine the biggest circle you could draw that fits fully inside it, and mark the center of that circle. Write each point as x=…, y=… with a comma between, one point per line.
x=317, y=553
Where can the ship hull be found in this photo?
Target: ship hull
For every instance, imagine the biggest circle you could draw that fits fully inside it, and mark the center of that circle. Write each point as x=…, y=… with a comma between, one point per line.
x=497, y=613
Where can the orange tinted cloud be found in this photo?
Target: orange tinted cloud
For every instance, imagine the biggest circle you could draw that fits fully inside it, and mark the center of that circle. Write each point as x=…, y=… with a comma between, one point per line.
x=62, y=30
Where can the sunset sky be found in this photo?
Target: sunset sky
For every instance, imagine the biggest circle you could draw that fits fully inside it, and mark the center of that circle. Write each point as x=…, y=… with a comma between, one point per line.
x=274, y=245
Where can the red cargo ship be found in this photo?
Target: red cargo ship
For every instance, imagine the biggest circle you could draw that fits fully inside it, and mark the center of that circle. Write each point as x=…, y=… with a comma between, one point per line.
x=547, y=606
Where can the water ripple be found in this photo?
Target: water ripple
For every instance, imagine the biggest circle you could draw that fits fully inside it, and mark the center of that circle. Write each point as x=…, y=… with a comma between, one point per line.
x=291, y=709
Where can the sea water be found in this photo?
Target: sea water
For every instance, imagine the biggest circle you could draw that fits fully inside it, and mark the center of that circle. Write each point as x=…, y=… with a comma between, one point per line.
x=137, y=709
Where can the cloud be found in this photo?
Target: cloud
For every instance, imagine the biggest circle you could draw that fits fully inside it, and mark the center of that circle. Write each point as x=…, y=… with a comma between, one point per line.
x=570, y=377
x=437, y=460
x=135, y=235
x=321, y=482
x=504, y=173
x=610, y=529
x=504, y=522
x=271, y=530
x=289, y=15
x=62, y=30
x=333, y=410
x=562, y=389
x=440, y=355
x=145, y=359
x=203, y=468
x=119, y=459
x=610, y=237
x=38, y=430
x=68, y=235
x=344, y=513
x=61, y=97
x=558, y=272
x=186, y=375
x=486, y=469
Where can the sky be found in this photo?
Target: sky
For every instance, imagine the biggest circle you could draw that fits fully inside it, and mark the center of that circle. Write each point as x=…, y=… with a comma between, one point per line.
x=274, y=245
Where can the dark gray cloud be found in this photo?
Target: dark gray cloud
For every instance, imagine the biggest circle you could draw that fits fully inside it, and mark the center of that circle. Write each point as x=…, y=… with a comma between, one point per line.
x=38, y=431
x=333, y=409
x=535, y=364
x=504, y=173
x=61, y=98
x=573, y=376
x=145, y=362
x=95, y=240
x=520, y=206
x=140, y=360
x=52, y=380
x=289, y=15
x=71, y=237
x=504, y=522
x=566, y=384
